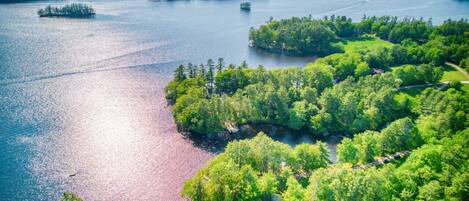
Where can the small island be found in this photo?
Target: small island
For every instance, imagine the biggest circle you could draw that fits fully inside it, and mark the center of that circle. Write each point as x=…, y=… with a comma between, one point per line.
x=245, y=6
x=74, y=10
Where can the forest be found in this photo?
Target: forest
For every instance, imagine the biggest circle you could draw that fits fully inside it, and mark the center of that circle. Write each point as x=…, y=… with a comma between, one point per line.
x=339, y=94
x=383, y=100
x=435, y=130
x=263, y=169
x=75, y=10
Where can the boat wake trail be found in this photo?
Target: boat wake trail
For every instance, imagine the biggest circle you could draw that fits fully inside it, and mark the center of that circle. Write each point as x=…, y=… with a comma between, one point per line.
x=335, y=11
x=76, y=72
x=128, y=60
x=161, y=46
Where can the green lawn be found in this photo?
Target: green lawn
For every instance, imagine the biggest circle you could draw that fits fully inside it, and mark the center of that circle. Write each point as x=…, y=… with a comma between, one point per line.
x=363, y=43
x=451, y=74
x=413, y=91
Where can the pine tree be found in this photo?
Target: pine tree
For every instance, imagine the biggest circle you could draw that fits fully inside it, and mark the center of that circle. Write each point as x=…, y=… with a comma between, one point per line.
x=202, y=71
x=210, y=77
x=191, y=70
x=244, y=64
x=221, y=64
x=179, y=73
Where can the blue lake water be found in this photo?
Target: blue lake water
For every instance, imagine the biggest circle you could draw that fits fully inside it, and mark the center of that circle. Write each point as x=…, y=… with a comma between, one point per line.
x=84, y=97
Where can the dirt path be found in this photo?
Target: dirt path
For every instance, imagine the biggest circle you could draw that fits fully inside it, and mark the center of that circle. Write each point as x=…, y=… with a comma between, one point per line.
x=441, y=84
x=423, y=85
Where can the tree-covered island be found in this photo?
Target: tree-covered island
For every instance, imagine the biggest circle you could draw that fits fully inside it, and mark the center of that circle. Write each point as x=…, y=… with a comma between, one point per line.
x=391, y=91
x=74, y=10
x=308, y=36
x=245, y=6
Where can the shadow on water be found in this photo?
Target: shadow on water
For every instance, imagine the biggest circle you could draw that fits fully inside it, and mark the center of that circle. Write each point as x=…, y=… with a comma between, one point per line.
x=245, y=14
x=276, y=132
x=283, y=59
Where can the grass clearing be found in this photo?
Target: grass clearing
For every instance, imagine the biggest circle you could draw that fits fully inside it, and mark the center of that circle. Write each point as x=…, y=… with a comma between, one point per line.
x=451, y=74
x=412, y=91
x=364, y=43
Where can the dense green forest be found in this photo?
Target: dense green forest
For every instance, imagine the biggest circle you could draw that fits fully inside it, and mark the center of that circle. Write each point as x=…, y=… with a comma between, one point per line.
x=436, y=132
x=261, y=168
x=77, y=10
x=383, y=92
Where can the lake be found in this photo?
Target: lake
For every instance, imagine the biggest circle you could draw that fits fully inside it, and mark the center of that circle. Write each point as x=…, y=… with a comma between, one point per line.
x=82, y=102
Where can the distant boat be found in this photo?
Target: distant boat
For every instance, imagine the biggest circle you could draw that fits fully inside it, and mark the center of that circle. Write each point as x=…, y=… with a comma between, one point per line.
x=74, y=174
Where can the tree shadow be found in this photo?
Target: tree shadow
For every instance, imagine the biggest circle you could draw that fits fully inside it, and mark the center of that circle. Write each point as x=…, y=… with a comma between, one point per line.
x=279, y=133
